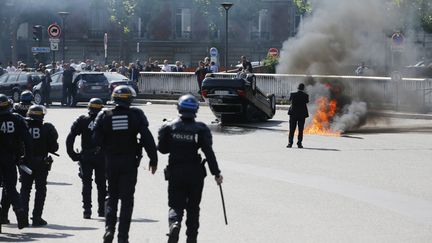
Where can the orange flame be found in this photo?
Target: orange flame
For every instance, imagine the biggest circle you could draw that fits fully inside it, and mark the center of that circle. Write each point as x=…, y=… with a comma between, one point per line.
x=324, y=114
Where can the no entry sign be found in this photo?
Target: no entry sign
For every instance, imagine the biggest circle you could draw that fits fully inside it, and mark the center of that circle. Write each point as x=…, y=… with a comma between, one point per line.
x=54, y=31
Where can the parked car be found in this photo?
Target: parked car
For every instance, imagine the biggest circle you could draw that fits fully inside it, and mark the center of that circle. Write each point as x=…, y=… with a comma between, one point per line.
x=422, y=69
x=87, y=84
x=116, y=79
x=238, y=99
x=12, y=84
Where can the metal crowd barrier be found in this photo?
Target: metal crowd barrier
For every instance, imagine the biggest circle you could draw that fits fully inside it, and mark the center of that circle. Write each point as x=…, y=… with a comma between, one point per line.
x=380, y=90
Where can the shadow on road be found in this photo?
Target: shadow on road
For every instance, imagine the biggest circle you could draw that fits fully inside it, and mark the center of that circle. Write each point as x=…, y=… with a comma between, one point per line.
x=52, y=183
x=68, y=227
x=349, y=136
x=29, y=237
x=143, y=220
x=322, y=149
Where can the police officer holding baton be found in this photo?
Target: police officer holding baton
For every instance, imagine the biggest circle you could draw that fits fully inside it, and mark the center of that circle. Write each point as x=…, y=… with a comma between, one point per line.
x=116, y=133
x=182, y=138
x=44, y=138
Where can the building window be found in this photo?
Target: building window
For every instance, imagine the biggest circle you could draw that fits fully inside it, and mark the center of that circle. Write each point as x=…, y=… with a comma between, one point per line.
x=260, y=29
x=183, y=23
x=97, y=23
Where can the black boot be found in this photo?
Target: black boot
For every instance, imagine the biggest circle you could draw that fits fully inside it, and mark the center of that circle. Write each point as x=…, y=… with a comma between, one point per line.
x=22, y=219
x=108, y=236
x=4, y=217
x=191, y=240
x=37, y=222
x=173, y=235
x=86, y=215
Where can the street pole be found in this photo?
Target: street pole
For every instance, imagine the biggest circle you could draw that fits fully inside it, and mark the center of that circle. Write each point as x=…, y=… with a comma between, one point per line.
x=63, y=16
x=226, y=6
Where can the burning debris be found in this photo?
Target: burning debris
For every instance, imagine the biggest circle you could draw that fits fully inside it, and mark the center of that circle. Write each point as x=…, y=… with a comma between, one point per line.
x=333, y=112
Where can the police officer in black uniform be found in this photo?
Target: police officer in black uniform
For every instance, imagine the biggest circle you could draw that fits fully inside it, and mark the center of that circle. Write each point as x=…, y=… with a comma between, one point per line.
x=13, y=133
x=182, y=138
x=116, y=132
x=5, y=200
x=26, y=100
x=90, y=158
x=44, y=137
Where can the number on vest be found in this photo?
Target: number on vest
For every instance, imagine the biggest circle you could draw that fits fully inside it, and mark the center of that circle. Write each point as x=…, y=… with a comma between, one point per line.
x=91, y=125
x=7, y=127
x=35, y=132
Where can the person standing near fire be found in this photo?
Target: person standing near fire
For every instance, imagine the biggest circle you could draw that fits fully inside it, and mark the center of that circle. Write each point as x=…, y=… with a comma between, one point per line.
x=298, y=113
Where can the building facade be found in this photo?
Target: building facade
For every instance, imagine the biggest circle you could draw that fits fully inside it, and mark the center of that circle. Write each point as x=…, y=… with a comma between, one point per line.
x=171, y=29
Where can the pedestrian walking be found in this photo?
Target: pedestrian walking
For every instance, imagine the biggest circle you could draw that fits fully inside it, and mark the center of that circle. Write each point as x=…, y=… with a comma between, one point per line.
x=90, y=158
x=116, y=133
x=13, y=135
x=44, y=139
x=298, y=113
x=181, y=139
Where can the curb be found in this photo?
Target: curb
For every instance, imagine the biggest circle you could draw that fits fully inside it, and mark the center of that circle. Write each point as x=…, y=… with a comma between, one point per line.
x=386, y=113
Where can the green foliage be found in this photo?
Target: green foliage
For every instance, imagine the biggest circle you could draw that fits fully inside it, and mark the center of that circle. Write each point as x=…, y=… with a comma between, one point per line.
x=303, y=6
x=121, y=12
x=271, y=62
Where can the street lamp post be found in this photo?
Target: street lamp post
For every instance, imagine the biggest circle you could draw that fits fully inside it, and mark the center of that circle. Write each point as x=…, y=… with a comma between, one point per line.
x=63, y=16
x=226, y=6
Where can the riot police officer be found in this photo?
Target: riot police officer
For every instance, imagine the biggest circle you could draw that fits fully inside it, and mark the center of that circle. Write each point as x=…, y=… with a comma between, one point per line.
x=90, y=158
x=5, y=201
x=44, y=137
x=116, y=132
x=13, y=133
x=26, y=100
x=182, y=138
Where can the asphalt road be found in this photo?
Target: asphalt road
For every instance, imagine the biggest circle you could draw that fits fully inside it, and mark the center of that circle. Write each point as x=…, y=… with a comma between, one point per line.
x=372, y=185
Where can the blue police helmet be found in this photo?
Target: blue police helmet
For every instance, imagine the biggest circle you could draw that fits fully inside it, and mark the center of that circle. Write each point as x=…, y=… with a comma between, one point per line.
x=187, y=106
x=26, y=96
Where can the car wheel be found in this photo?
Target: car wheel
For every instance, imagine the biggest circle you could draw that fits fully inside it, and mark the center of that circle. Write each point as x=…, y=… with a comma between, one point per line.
x=16, y=96
x=253, y=85
x=272, y=98
x=38, y=98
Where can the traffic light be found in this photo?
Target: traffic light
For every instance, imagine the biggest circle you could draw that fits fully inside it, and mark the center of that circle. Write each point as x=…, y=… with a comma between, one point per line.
x=37, y=32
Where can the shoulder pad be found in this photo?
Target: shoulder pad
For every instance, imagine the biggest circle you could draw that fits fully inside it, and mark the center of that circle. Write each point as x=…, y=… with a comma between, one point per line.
x=201, y=125
x=49, y=125
x=137, y=110
x=107, y=111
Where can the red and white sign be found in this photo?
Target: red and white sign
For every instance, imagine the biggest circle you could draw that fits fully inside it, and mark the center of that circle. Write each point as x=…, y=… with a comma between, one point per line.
x=54, y=31
x=273, y=52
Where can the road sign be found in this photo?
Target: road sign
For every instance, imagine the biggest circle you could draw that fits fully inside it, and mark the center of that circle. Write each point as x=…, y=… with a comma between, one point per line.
x=54, y=31
x=213, y=52
x=54, y=46
x=273, y=52
x=55, y=40
x=41, y=49
x=398, y=41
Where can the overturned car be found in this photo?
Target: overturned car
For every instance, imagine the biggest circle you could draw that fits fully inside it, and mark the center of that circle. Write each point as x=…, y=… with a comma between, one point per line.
x=238, y=99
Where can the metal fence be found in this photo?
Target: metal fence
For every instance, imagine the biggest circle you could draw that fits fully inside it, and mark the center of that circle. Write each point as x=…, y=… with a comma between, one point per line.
x=378, y=90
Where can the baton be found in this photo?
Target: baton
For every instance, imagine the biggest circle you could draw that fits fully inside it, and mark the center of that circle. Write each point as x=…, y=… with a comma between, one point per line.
x=223, y=204
x=56, y=154
x=26, y=169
